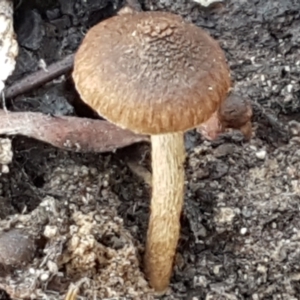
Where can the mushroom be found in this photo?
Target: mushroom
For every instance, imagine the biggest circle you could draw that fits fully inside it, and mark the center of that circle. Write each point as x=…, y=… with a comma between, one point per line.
x=155, y=74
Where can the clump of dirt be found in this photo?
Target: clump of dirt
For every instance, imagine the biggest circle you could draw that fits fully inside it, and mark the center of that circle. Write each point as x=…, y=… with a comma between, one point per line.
x=83, y=239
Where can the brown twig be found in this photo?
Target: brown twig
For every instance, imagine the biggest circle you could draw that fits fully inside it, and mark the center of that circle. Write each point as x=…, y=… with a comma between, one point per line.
x=54, y=70
x=69, y=133
x=40, y=77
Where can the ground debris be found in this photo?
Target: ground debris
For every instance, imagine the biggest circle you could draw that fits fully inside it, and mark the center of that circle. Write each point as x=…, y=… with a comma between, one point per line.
x=251, y=205
x=90, y=243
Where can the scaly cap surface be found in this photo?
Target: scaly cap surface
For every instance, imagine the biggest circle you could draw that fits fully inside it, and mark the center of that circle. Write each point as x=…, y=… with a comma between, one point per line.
x=151, y=72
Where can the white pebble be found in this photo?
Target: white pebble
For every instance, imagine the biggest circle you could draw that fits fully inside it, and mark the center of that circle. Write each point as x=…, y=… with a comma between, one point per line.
x=44, y=277
x=243, y=230
x=261, y=154
x=105, y=183
x=289, y=88
x=207, y=3
x=252, y=147
x=255, y=297
x=50, y=231
x=4, y=169
x=32, y=271
x=216, y=269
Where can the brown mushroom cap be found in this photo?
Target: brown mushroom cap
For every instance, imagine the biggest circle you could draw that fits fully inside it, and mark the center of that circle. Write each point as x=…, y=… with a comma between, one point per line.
x=151, y=72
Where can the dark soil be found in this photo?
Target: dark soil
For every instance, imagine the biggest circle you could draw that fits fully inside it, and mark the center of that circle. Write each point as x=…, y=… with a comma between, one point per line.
x=88, y=213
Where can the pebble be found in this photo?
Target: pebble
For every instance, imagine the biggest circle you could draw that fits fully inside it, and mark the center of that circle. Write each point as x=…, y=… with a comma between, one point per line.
x=289, y=88
x=216, y=269
x=4, y=169
x=207, y=3
x=44, y=277
x=243, y=230
x=246, y=212
x=224, y=150
x=261, y=154
x=255, y=297
x=50, y=231
x=16, y=248
x=225, y=215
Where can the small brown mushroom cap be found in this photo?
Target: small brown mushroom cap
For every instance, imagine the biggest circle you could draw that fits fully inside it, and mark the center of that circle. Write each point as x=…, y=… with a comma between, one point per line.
x=151, y=72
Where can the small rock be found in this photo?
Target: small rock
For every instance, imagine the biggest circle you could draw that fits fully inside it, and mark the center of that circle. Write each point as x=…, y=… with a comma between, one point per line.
x=44, y=277
x=243, y=230
x=225, y=215
x=4, y=169
x=255, y=297
x=224, y=149
x=246, y=212
x=261, y=154
x=50, y=231
x=207, y=3
x=17, y=248
x=289, y=88
x=216, y=269
x=262, y=269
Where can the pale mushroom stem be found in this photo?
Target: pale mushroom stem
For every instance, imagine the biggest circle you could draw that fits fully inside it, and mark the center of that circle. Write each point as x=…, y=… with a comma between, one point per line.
x=168, y=155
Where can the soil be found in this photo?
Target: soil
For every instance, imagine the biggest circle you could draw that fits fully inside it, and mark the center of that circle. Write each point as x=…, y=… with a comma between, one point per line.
x=87, y=214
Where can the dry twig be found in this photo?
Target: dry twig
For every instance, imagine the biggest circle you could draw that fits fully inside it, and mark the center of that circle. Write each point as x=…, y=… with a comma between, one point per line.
x=40, y=77
x=69, y=133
